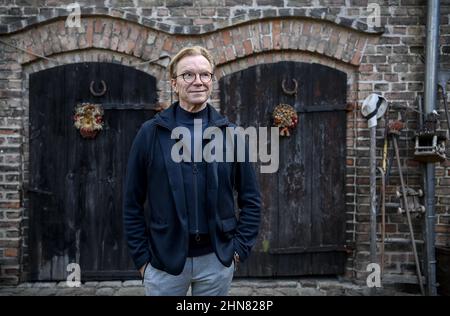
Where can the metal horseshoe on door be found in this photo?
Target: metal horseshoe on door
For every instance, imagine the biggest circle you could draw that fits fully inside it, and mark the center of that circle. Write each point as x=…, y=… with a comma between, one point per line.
x=98, y=94
x=289, y=92
x=293, y=92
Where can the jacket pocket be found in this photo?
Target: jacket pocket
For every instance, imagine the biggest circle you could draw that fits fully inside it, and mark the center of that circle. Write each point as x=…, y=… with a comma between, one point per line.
x=158, y=226
x=229, y=224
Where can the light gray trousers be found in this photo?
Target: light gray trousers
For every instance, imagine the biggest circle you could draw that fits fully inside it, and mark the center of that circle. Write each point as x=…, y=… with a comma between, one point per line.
x=206, y=275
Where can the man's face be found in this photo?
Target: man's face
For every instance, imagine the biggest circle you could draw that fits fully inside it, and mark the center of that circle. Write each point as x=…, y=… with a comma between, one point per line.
x=195, y=93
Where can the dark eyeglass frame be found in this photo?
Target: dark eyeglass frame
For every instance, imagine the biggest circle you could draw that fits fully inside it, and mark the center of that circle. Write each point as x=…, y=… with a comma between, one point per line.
x=195, y=77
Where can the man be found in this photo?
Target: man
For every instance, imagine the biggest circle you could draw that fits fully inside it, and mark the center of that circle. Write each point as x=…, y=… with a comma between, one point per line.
x=190, y=235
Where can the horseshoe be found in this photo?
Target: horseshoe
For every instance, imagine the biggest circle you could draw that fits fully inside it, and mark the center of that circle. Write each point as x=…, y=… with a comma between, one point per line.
x=290, y=92
x=102, y=92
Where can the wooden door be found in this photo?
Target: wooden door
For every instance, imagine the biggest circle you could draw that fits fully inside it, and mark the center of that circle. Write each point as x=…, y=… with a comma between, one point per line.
x=75, y=185
x=303, y=212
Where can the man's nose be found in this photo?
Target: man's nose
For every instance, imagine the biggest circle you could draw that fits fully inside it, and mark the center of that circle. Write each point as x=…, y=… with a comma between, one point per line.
x=197, y=80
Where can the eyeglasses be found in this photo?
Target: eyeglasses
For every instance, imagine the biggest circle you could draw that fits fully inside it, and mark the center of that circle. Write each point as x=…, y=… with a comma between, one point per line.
x=190, y=77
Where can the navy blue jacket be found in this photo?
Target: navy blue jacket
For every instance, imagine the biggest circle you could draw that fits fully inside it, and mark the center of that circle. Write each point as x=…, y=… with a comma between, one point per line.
x=161, y=235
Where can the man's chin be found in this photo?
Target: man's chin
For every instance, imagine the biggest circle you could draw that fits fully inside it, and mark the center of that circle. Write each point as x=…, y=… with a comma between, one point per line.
x=198, y=103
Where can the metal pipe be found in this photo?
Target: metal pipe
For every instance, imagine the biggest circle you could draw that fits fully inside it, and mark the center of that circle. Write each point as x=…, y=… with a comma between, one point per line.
x=373, y=198
x=419, y=100
x=431, y=71
x=383, y=214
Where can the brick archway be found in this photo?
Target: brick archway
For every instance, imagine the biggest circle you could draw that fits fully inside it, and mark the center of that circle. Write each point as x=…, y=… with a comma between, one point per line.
x=234, y=48
x=227, y=44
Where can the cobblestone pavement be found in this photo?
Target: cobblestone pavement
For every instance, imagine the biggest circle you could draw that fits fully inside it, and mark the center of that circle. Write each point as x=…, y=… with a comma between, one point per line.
x=301, y=287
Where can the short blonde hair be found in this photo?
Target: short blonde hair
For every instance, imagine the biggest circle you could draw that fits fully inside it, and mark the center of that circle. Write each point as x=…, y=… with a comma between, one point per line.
x=189, y=51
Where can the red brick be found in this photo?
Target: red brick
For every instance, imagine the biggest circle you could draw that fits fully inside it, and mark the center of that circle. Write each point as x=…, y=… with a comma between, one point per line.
x=248, y=47
x=114, y=43
x=286, y=41
x=443, y=229
x=163, y=12
x=222, y=58
x=123, y=39
x=266, y=43
x=239, y=49
x=209, y=44
x=306, y=30
x=251, y=61
x=134, y=32
x=202, y=21
x=98, y=26
x=209, y=12
x=226, y=36
x=268, y=58
x=276, y=31
x=389, y=228
x=229, y=53
x=356, y=59
x=9, y=204
x=7, y=131
x=12, y=271
x=140, y=43
x=359, y=51
x=366, y=68
x=89, y=33
x=245, y=31
x=9, y=243
x=265, y=28
x=130, y=46
x=362, y=180
x=61, y=28
x=168, y=45
x=117, y=26
x=339, y=51
x=11, y=252
x=400, y=95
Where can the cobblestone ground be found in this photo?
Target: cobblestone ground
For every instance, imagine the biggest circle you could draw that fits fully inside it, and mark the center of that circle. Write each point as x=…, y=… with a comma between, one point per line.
x=303, y=287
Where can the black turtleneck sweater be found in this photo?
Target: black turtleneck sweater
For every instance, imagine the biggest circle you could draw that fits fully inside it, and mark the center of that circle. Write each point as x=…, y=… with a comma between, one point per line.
x=194, y=180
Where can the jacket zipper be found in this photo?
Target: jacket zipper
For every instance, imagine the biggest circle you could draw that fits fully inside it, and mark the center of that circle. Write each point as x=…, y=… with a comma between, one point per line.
x=194, y=173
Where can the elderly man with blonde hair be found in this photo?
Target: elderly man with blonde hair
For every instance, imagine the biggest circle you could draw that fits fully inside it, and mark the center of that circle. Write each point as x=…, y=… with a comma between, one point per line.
x=190, y=236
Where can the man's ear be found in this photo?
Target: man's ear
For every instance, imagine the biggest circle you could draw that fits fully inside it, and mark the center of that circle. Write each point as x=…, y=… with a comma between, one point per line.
x=173, y=82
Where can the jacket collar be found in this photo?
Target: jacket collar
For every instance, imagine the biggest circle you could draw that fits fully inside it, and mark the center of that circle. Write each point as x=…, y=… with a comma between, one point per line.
x=166, y=118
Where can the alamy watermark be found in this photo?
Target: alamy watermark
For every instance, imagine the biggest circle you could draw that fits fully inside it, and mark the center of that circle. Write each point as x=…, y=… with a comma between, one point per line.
x=227, y=148
x=74, y=18
x=374, y=18
x=374, y=278
x=74, y=278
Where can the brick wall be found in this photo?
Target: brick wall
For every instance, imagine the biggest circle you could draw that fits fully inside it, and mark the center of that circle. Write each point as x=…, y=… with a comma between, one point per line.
x=239, y=34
